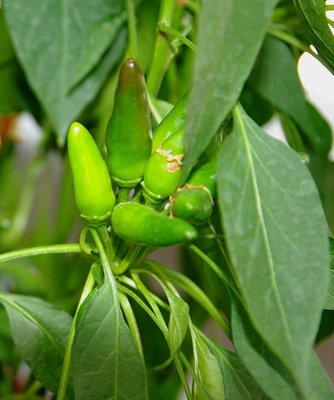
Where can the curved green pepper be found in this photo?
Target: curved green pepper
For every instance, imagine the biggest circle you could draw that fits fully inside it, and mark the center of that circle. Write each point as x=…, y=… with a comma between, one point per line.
x=205, y=175
x=128, y=135
x=170, y=124
x=163, y=170
x=144, y=225
x=94, y=196
x=192, y=203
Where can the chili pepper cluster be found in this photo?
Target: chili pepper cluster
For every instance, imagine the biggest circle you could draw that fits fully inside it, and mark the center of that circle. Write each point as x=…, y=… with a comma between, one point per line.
x=160, y=213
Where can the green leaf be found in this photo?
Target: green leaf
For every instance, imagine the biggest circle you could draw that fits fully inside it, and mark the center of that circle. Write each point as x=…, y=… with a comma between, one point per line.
x=25, y=277
x=268, y=371
x=313, y=17
x=105, y=361
x=263, y=365
x=178, y=322
x=69, y=38
x=330, y=295
x=275, y=77
x=225, y=57
x=239, y=384
x=6, y=48
x=40, y=332
x=209, y=384
x=277, y=238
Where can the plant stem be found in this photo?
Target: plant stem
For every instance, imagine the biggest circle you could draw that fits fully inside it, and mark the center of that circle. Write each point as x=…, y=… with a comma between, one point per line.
x=162, y=50
x=160, y=322
x=192, y=289
x=33, y=389
x=131, y=319
x=67, y=358
x=133, y=48
x=171, y=31
x=329, y=7
x=106, y=243
x=36, y=251
x=128, y=260
x=211, y=264
x=123, y=195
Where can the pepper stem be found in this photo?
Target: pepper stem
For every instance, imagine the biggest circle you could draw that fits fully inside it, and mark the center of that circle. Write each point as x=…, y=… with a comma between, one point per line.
x=106, y=242
x=123, y=195
x=133, y=48
x=162, y=50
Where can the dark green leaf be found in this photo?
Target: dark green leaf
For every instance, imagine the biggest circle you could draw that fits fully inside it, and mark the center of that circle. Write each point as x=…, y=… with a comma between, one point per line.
x=275, y=77
x=257, y=107
x=276, y=235
x=268, y=371
x=25, y=278
x=40, y=332
x=330, y=295
x=225, y=57
x=178, y=322
x=239, y=384
x=264, y=366
x=68, y=39
x=6, y=48
x=105, y=361
x=313, y=17
x=209, y=384
x=321, y=388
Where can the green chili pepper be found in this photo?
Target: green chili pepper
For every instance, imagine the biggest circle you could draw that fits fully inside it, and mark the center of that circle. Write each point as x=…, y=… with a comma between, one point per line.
x=128, y=136
x=170, y=124
x=163, y=171
x=205, y=175
x=144, y=225
x=92, y=187
x=192, y=203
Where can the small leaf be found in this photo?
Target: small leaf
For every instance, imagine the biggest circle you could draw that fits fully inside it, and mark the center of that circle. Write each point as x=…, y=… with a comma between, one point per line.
x=209, y=384
x=275, y=77
x=40, y=333
x=68, y=40
x=313, y=17
x=178, y=322
x=276, y=235
x=239, y=384
x=105, y=361
x=225, y=57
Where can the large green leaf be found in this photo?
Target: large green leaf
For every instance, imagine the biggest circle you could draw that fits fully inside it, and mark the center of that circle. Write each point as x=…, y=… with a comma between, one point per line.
x=275, y=77
x=105, y=361
x=57, y=43
x=276, y=235
x=313, y=17
x=268, y=371
x=226, y=54
x=40, y=332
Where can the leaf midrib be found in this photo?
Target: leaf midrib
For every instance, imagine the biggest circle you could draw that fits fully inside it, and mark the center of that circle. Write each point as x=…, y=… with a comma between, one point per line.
x=32, y=319
x=264, y=232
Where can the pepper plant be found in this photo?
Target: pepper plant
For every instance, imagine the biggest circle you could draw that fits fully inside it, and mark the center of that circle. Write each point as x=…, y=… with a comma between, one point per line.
x=151, y=115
